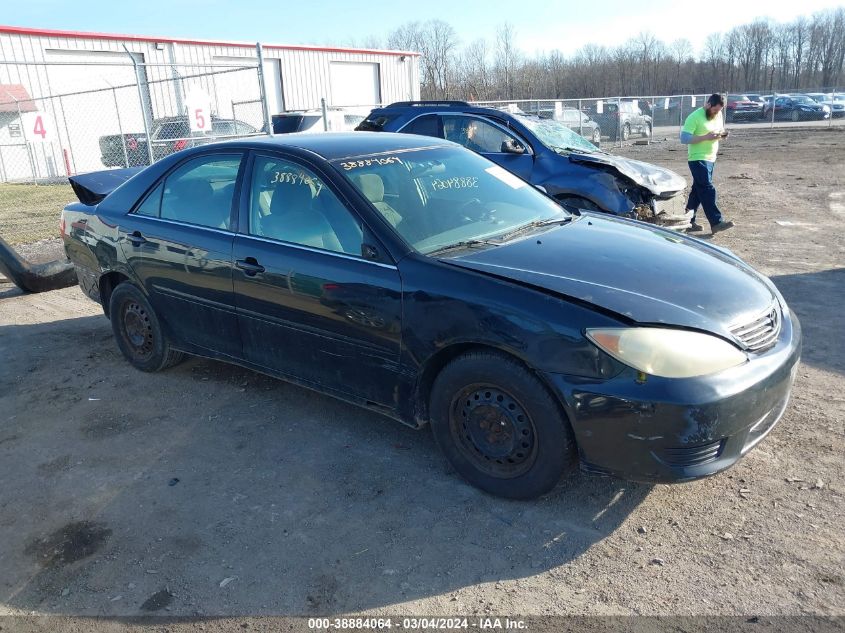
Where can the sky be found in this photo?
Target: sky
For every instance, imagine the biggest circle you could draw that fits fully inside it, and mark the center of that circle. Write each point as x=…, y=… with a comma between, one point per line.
x=540, y=25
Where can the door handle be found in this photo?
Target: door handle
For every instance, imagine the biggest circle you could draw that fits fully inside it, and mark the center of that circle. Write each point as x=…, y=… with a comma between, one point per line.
x=250, y=266
x=136, y=238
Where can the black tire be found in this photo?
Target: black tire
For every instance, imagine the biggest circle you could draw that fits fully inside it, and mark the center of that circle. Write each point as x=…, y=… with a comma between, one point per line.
x=626, y=132
x=499, y=427
x=796, y=116
x=138, y=331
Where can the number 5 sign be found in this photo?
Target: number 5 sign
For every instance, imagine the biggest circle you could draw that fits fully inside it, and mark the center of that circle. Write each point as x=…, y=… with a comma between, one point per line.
x=38, y=127
x=199, y=111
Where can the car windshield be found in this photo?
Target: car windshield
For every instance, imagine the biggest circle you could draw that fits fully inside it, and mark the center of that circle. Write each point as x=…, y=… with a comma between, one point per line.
x=556, y=135
x=444, y=197
x=805, y=100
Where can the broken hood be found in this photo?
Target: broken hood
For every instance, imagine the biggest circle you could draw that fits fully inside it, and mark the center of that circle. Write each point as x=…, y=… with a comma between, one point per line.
x=643, y=273
x=658, y=180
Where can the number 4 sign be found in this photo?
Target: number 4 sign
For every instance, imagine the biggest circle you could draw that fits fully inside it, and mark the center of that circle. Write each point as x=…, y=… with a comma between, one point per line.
x=199, y=111
x=38, y=127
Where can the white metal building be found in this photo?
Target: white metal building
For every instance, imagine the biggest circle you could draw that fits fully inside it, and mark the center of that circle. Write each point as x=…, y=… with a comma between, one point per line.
x=40, y=63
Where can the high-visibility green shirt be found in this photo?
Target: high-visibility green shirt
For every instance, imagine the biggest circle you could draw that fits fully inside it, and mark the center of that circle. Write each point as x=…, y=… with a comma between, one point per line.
x=698, y=124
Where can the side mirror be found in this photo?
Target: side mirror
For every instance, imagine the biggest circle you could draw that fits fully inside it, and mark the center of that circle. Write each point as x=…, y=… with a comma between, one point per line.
x=369, y=252
x=512, y=147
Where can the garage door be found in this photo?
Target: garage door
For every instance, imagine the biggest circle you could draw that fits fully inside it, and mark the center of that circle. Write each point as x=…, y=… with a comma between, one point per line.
x=85, y=115
x=355, y=83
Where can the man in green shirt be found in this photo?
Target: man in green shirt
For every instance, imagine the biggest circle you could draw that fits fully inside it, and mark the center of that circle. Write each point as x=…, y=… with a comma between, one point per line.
x=701, y=133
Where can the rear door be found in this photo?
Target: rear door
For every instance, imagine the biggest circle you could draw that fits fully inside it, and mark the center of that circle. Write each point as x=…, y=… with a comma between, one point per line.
x=178, y=242
x=309, y=305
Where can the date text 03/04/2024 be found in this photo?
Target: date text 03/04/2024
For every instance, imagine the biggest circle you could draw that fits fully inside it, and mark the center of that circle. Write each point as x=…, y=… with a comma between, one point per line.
x=416, y=623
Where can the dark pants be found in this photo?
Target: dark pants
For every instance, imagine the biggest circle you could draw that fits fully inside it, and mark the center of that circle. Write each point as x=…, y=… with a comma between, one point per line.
x=703, y=192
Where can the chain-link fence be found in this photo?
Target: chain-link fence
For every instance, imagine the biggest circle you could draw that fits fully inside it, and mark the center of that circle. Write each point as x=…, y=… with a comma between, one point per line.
x=149, y=111
x=139, y=114
x=613, y=121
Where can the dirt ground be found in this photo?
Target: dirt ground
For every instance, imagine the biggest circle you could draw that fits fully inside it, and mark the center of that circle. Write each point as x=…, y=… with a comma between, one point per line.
x=212, y=490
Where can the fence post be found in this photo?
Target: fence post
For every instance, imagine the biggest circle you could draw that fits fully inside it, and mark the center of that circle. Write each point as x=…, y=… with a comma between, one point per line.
x=325, y=114
x=580, y=120
x=120, y=129
x=265, y=107
x=26, y=143
x=146, y=115
x=67, y=133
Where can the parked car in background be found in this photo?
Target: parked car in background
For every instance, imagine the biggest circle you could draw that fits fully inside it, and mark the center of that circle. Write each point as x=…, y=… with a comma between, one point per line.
x=337, y=120
x=818, y=97
x=575, y=120
x=756, y=98
x=796, y=108
x=419, y=280
x=836, y=103
x=168, y=135
x=620, y=119
x=740, y=107
x=547, y=154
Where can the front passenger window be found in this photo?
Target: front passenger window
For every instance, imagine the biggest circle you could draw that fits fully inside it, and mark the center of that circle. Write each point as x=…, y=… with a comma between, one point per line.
x=292, y=204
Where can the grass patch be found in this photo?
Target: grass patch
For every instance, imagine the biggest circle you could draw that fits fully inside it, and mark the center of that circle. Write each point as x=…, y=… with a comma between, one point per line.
x=29, y=213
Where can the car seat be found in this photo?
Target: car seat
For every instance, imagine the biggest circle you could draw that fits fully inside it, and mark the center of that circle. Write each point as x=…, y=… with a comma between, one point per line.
x=293, y=219
x=372, y=186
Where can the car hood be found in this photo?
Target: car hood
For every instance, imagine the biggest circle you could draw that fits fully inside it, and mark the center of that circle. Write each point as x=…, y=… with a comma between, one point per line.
x=646, y=274
x=658, y=180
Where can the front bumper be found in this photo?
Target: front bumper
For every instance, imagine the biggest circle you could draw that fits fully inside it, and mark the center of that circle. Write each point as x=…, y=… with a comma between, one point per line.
x=673, y=430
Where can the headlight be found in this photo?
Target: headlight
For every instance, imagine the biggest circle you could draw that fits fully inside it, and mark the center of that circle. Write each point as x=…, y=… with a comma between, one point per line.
x=667, y=352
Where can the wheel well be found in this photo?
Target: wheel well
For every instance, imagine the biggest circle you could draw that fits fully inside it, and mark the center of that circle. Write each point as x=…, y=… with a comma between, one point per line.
x=438, y=361
x=108, y=283
x=591, y=206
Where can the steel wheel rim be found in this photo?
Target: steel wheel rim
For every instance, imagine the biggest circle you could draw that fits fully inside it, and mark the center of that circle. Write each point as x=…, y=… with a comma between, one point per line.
x=137, y=330
x=493, y=431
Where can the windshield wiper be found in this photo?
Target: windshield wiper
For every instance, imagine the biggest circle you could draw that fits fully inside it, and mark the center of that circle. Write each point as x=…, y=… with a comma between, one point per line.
x=533, y=225
x=461, y=244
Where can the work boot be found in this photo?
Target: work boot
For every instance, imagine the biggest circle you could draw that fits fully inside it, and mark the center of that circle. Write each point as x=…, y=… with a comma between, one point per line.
x=724, y=225
x=694, y=228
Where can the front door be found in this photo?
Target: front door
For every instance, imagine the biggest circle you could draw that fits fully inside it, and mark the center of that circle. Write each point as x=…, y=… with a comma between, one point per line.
x=491, y=141
x=178, y=242
x=309, y=305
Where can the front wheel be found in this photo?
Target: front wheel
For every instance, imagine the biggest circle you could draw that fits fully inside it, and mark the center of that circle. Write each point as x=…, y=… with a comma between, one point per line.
x=597, y=136
x=138, y=331
x=499, y=427
x=626, y=132
x=796, y=116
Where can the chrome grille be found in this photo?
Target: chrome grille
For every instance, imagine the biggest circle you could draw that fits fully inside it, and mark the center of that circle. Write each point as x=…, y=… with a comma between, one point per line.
x=760, y=333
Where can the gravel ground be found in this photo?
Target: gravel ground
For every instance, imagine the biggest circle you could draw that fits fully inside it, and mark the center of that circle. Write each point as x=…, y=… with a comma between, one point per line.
x=211, y=490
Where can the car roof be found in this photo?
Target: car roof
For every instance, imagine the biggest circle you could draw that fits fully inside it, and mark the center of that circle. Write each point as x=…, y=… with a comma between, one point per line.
x=339, y=144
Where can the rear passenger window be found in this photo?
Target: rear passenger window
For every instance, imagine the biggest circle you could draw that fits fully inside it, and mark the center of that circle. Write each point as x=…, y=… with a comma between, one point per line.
x=424, y=126
x=199, y=192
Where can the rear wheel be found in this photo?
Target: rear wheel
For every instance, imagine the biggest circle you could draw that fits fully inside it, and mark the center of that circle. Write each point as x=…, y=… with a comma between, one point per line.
x=499, y=427
x=138, y=331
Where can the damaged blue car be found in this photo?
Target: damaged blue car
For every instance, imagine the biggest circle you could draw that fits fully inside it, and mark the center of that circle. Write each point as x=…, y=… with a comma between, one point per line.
x=547, y=154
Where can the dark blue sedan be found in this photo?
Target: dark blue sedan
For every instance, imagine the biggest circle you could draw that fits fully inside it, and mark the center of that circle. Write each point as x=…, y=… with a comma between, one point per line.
x=418, y=279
